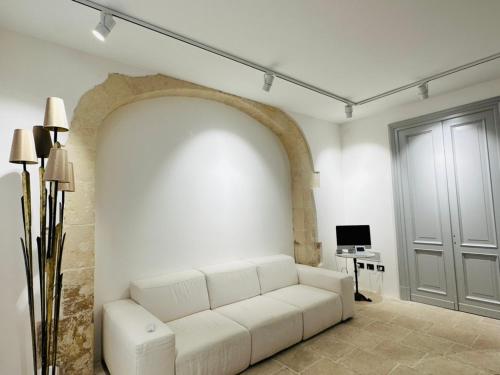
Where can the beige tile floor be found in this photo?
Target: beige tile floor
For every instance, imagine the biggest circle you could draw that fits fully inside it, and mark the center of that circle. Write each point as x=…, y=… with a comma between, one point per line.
x=398, y=338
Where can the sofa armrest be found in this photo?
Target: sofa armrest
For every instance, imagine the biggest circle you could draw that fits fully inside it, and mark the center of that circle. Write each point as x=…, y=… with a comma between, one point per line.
x=135, y=342
x=333, y=281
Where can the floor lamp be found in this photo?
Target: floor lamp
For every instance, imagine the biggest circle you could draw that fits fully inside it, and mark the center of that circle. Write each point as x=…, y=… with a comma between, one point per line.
x=27, y=148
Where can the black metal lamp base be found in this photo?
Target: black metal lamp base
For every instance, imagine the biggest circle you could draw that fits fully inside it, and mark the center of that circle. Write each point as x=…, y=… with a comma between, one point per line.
x=359, y=297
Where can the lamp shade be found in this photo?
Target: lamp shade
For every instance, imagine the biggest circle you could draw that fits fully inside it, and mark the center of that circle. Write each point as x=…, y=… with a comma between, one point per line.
x=55, y=115
x=70, y=185
x=23, y=148
x=43, y=142
x=57, y=165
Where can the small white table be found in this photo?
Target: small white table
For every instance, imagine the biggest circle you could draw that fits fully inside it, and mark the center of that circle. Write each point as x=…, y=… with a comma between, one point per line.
x=354, y=256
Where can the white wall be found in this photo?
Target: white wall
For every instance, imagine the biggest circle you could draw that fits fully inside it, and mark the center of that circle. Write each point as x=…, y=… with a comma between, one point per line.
x=323, y=138
x=30, y=70
x=367, y=175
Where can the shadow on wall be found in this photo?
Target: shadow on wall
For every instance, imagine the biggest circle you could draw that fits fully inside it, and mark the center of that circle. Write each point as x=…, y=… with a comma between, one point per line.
x=15, y=344
x=191, y=171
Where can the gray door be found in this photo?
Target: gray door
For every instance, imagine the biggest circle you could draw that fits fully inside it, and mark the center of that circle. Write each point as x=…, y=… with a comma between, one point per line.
x=473, y=168
x=426, y=215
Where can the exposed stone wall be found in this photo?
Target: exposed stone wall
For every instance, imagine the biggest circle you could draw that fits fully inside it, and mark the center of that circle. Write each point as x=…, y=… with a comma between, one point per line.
x=77, y=327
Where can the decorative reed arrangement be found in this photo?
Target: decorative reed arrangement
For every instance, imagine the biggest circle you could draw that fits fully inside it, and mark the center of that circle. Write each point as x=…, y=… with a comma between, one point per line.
x=26, y=149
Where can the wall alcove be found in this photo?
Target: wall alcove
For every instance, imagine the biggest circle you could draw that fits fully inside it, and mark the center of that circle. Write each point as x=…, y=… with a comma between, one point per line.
x=77, y=326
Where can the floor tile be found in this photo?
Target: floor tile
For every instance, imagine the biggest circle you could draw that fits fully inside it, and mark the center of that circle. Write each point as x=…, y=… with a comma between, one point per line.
x=486, y=359
x=427, y=343
x=360, y=320
x=403, y=370
x=465, y=318
x=327, y=367
x=380, y=314
x=412, y=323
x=456, y=334
x=444, y=366
x=364, y=362
x=387, y=330
x=487, y=342
x=477, y=325
x=458, y=348
x=435, y=314
x=298, y=357
x=495, y=322
x=356, y=337
x=399, y=353
x=285, y=371
x=329, y=346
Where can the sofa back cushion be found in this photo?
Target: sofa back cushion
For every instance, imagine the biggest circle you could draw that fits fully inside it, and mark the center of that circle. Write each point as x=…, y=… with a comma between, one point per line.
x=172, y=296
x=275, y=272
x=231, y=282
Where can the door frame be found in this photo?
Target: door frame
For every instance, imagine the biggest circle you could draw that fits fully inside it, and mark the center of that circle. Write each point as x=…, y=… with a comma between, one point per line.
x=394, y=129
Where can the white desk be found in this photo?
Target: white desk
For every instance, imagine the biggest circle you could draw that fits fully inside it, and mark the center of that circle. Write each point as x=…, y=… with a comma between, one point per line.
x=354, y=256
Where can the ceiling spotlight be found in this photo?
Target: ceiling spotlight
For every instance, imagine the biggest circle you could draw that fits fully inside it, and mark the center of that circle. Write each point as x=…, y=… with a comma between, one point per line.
x=423, y=90
x=268, y=81
x=348, y=110
x=104, y=26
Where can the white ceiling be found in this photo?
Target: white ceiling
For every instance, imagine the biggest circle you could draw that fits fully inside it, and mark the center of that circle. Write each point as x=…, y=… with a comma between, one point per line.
x=355, y=48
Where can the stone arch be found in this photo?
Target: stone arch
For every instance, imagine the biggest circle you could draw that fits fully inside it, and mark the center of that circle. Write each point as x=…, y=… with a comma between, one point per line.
x=93, y=108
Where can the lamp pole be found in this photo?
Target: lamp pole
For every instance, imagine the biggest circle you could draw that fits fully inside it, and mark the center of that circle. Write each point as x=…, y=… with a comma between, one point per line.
x=26, y=149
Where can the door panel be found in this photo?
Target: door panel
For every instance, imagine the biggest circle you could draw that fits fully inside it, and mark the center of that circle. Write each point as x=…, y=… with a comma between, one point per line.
x=430, y=272
x=482, y=276
x=472, y=163
x=426, y=215
x=422, y=189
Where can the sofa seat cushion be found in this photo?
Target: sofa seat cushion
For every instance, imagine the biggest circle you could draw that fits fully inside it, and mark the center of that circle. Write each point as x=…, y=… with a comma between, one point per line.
x=273, y=325
x=320, y=308
x=209, y=343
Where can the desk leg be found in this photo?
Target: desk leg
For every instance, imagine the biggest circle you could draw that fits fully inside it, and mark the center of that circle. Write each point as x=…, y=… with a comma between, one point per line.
x=357, y=295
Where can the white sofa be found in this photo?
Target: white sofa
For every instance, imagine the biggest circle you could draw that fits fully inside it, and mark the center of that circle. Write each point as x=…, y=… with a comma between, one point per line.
x=220, y=319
